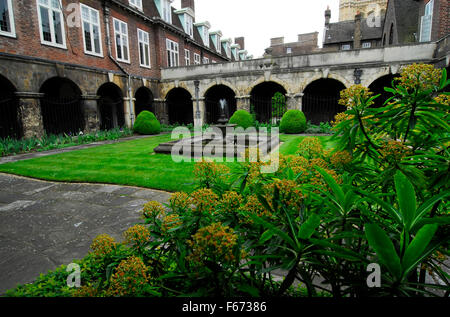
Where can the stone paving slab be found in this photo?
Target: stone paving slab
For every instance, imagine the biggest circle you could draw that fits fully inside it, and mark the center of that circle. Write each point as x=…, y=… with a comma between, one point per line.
x=46, y=224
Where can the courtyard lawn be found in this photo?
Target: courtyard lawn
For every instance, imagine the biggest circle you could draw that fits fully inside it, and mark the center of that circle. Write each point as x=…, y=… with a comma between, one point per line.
x=130, y=163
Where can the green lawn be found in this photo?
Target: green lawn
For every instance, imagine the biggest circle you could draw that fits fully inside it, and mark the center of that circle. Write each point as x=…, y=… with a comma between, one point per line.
x=126, y=163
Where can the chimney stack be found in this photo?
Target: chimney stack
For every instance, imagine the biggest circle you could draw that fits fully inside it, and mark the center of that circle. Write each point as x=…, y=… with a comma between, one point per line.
x=188, y=4
x=327, y=16
x=357, y=35
x=240, y=41
x=276, y=41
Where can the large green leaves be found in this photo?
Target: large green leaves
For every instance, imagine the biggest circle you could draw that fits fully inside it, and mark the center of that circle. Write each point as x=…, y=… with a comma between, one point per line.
x=406, y=199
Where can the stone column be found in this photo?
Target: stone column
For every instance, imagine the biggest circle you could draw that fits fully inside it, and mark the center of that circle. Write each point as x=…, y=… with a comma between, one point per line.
x=161, y=111
x=30, y=113
x=243, y=102
x=199, y=122
x=91, y=116
x=294, y=101
x=129, y=116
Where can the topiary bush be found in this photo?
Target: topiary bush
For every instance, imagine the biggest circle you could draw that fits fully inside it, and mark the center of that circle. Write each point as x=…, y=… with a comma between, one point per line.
x=146, y=123
x=293, y=121
x=242, y=119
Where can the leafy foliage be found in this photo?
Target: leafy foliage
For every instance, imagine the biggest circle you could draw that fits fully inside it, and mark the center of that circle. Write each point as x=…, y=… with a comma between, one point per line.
x=293, y=121
x=242, y=119
x=146, y=123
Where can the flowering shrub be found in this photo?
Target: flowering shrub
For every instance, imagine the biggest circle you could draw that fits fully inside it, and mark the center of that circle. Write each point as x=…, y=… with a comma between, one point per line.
x=130, y=278
x=153, y=210
x=103, y=245
x=204, y=201
x=137, y=236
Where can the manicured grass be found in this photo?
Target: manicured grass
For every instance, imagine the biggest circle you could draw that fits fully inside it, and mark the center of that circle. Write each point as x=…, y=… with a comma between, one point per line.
x=126, y=163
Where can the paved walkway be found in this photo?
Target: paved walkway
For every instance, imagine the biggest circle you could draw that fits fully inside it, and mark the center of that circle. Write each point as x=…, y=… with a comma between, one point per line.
x=45, y=224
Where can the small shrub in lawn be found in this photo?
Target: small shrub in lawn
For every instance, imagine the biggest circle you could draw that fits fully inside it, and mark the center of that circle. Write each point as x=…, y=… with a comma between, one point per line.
x=293, y=121
x=146, y=123
x=242, y=119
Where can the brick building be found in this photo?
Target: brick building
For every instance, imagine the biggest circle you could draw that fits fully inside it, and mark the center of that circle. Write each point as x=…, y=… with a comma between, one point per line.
x=306, y=43
x=83, y=65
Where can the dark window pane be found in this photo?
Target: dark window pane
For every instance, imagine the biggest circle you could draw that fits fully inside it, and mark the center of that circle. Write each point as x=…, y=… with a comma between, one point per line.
x=119, y=46
x=4, y=16
x=87, y=37
x=45, y=25
x=96, y=39
x=58, y=27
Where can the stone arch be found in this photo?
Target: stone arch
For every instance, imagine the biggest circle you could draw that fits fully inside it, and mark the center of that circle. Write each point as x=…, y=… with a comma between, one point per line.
x=168, y=87
x=143, y=100
x=319, y=76
x=262, y=80
x=261, y=99
x=110, y=106
x=320, y=101
x=10, y=115
x=213, y=97
x=377, y=87
x=61, y=106
x=180, y=106
x=229, y=85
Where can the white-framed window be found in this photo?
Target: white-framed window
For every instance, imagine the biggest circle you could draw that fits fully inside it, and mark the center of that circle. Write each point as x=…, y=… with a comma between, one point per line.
x=366, y=45
x=136, y=3
x=189, y=21
x=206, y=36
x=187, y=57
x=426, y=22
x=51, y=23
x=289, y=50
x=167, y=11
x=144, y=48
x=219, y=47
x=7, y=18
x=90, y=19
x=205, y=60
x=121, y=38
x=214, y=62
x=345, y=47
x=196, y=59
x=173, y=55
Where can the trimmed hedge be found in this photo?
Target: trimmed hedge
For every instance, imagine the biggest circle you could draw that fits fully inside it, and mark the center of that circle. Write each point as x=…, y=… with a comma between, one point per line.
x=242, y=119
x=293, y=121
x=146, y=123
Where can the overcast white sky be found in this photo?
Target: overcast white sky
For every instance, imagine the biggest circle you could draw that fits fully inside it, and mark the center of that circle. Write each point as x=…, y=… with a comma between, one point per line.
x=260, y=20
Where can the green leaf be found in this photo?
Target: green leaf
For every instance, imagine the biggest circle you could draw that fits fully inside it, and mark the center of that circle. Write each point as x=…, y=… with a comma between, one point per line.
x=418, y=245
x=406, y=198
x=384, y=248
x=308, y=228
x=266, y=236
x=337, y=190
x=248, y=289
x=275, y=230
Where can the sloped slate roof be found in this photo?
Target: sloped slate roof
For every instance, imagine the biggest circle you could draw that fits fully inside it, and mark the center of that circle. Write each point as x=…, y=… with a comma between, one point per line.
x=343, y=31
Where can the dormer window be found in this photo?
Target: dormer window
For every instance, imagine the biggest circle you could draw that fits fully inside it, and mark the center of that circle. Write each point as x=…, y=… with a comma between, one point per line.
x=226, y=43
x=216, y=36
x=186, y=16
x=234, y=49
x=189, y=24
x=203, y=29
x=206, y=36
x=166, y=10
x=136, y=3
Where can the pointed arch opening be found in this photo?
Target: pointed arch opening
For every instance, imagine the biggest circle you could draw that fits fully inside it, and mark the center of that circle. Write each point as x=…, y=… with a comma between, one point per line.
x=261, y=100
x=144, y=100
x=110, y=106
x=214, y=97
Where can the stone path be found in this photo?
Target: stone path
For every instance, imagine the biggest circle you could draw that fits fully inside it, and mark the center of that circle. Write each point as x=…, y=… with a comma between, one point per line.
x=45, y=224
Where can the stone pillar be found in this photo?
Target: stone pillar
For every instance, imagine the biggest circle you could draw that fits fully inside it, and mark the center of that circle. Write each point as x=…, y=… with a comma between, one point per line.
x=91, y=116
x=161, y=111
x=199, y=122
x=30, y=112
x=129, y=116
x=294, y=101
x=243, y=103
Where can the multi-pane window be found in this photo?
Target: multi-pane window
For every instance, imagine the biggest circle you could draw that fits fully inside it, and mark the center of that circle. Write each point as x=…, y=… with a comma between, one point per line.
x=205, y=60
x=144, y=48
x=173, y=54
x=121, y=37
x=426, y=22
x=167, y=11
x=345, y=47
x=187, y=57
x=6, y=18
x=289, y=50
x=366, y=45
x=206, y=36
x=189, y=25
x=51, y=22
x=196, y=59
x=91, y=30
x=136, y=3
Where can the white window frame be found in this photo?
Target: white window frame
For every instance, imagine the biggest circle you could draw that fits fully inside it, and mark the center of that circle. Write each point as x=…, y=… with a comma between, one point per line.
x=346, y=47
x=219, y=45
x=136, y=4
x=289, y=50
x=197, y=60
x=50, y=10
x=122, y=35
x=12, y=32
x=428, y=15
x=145, y=42
x=187, y=57
x=91, y=29
x=205, y=60
x=173, y=53
x=166, y=9
x=189, y=23
x=366, y=45
x=206, y=35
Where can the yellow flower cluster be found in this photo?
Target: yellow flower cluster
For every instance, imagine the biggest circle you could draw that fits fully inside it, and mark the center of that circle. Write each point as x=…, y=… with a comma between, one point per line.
x=130, y=276
x=204, y=200
x=341, y=117
x=152, y=210
x=290, y=194
x=253, y=206
x=443, y=100
x=137, y=235
x=230, y=202
x=214, y=242
x=210, y=171
x=353, y=96
x=340, y=159
x=170, y=222
x=419, y=77
x=179, y=200
x=310, y=147
x=86, y=291
x=103, y=245
x=394, y=151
